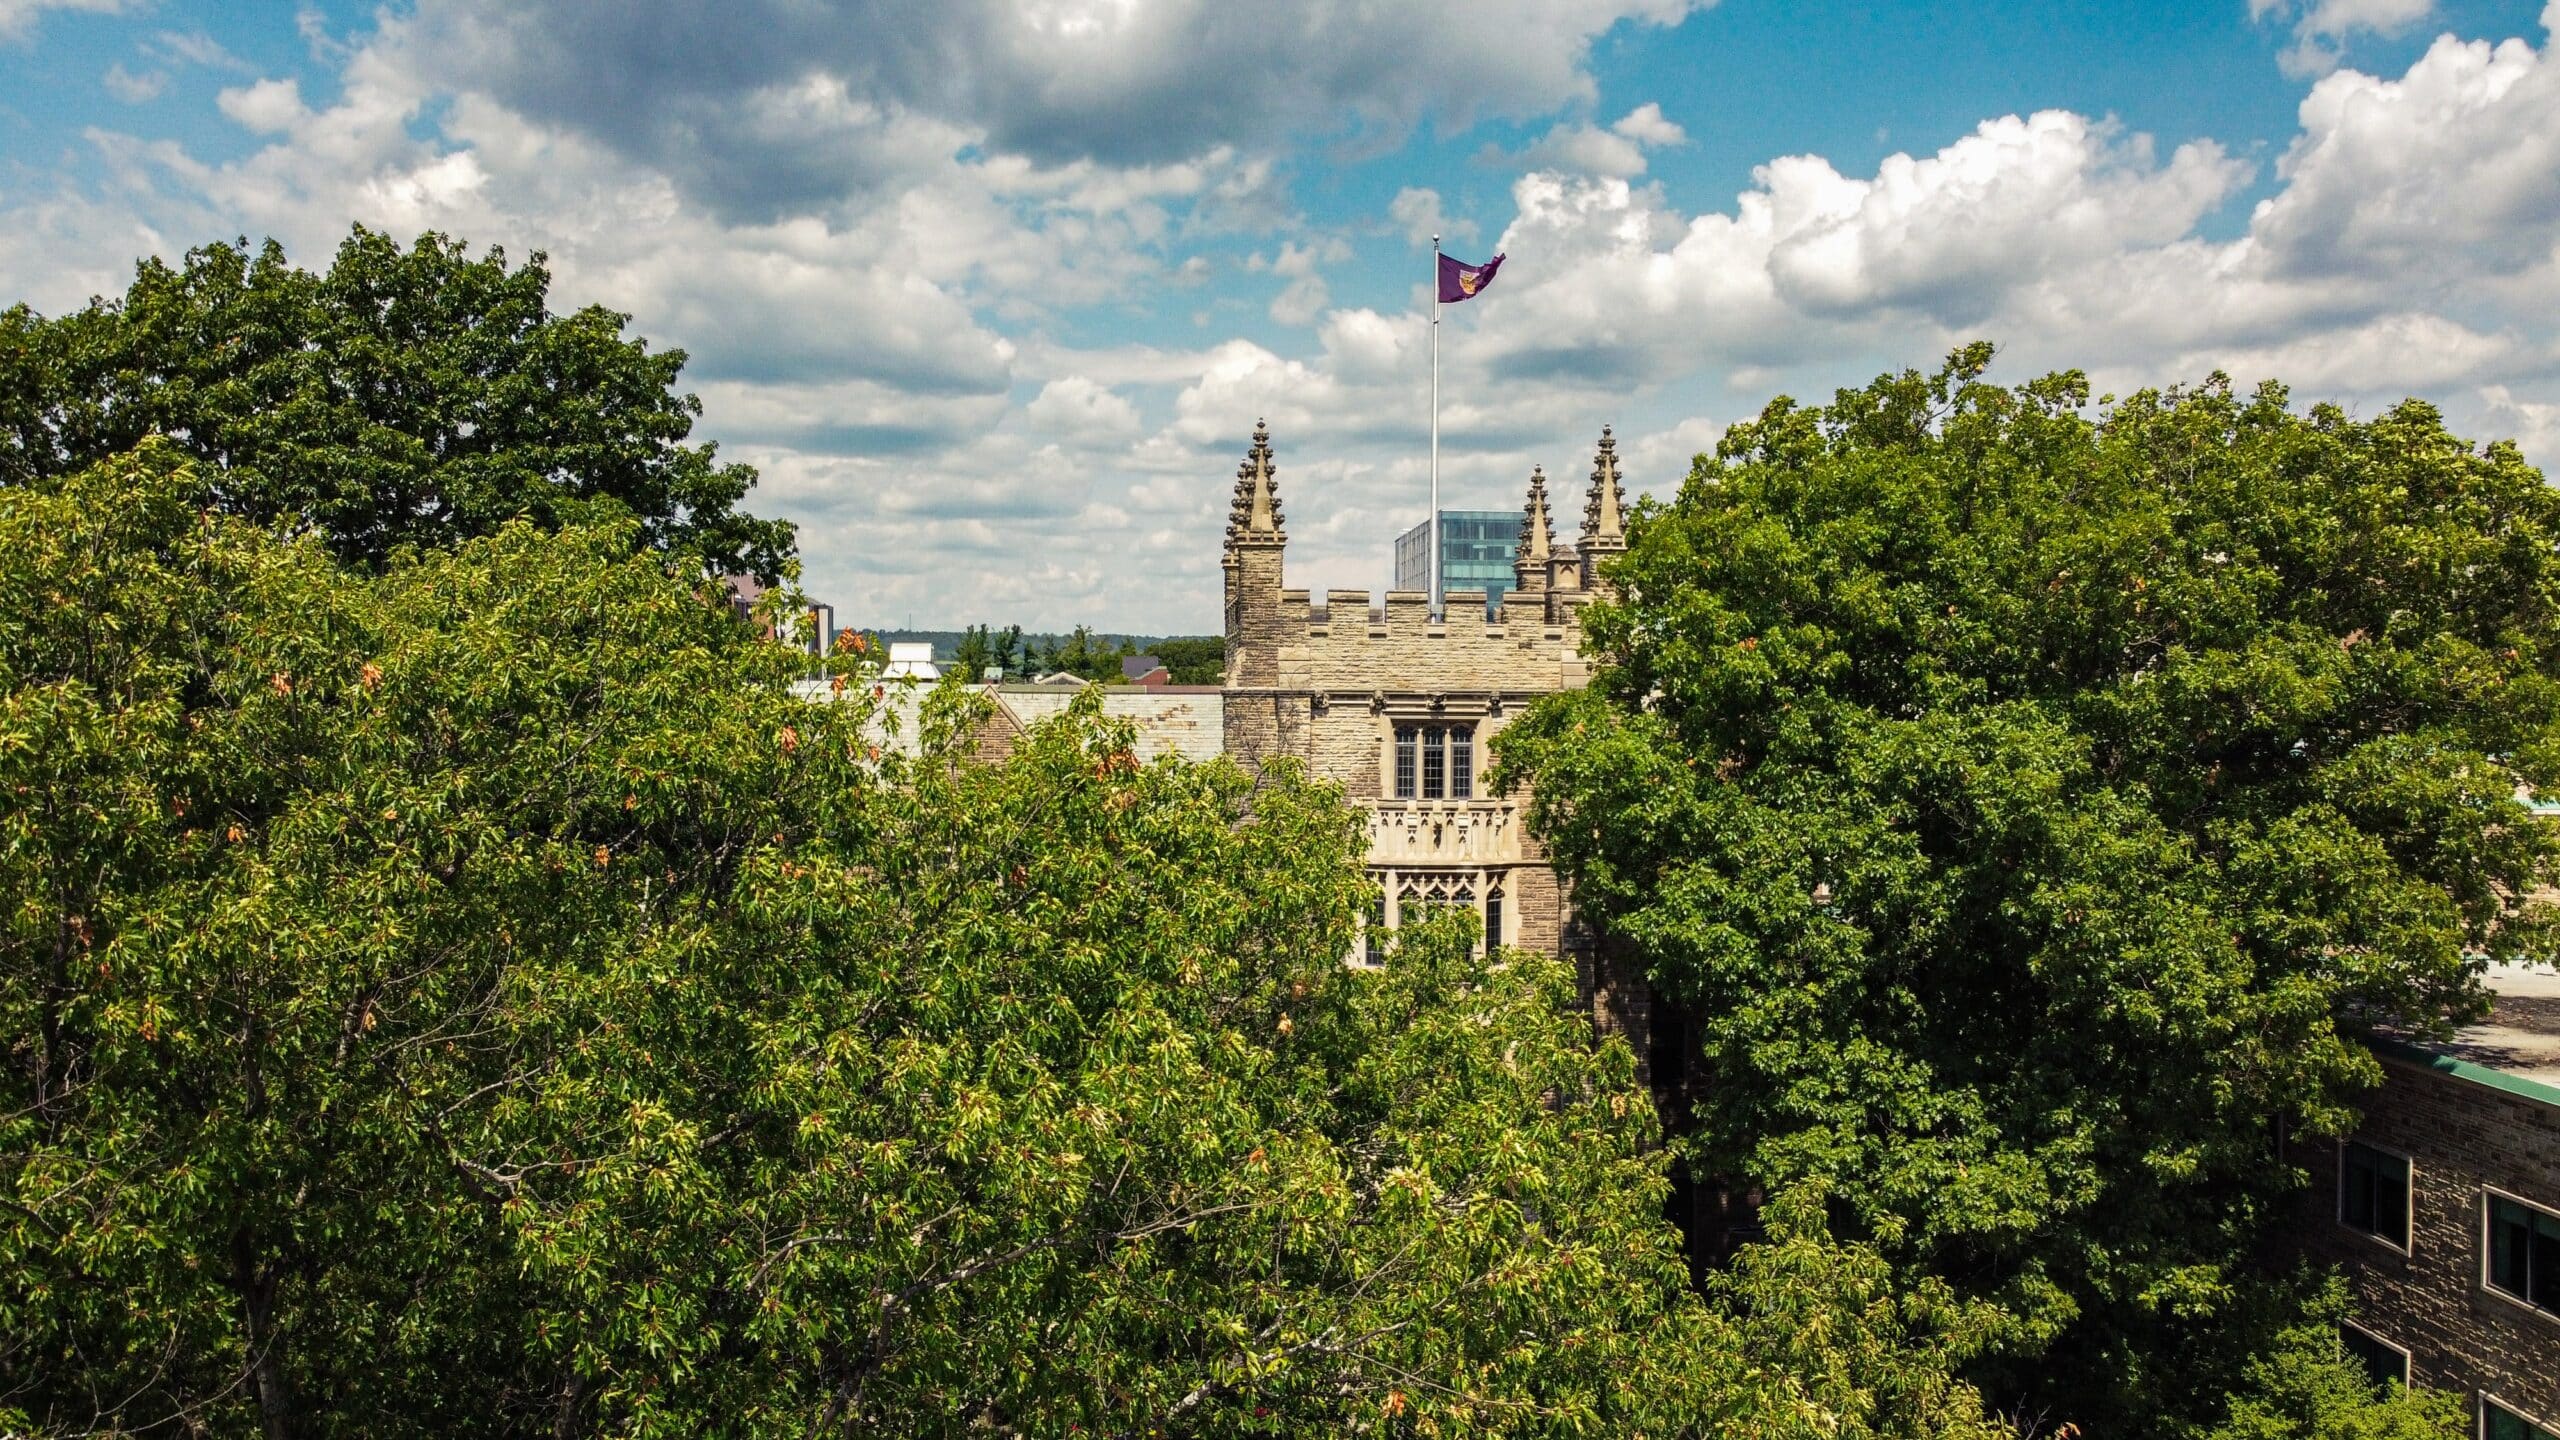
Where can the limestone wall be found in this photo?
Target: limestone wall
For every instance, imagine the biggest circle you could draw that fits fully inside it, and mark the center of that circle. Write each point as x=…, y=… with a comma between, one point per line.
x=1354, y=644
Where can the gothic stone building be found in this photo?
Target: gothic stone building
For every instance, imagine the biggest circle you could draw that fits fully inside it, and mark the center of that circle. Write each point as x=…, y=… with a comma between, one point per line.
x=1397, y=706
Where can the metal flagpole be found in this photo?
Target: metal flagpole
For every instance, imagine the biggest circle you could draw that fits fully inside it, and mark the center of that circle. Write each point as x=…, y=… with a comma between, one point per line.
x=1434, y=518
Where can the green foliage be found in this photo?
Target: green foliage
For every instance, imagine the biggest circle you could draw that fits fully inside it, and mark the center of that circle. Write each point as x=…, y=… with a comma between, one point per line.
x=982, y=649
x=476, y=998
x=404, y=397
x=1189, y=660
x=1193, y=659
x=2300, y=1384
x=2029, y=808
x=1866, y=1356
x=1083, y=654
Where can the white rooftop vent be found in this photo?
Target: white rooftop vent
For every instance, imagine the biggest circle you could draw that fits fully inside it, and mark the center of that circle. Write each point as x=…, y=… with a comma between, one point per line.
x=911, y=657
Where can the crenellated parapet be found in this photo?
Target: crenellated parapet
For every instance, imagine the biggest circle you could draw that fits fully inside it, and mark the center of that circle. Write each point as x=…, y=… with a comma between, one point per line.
x=1285, y=638
x=1354, y=640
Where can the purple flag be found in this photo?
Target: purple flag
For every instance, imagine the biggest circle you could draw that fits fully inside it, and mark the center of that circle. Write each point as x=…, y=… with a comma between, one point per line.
x=1461, y=281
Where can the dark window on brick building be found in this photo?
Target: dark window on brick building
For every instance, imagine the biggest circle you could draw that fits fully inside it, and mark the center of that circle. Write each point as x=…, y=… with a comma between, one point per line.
x=2384, y=1363
x=2524, y=1253
x=2373, y=1193
x=2497, y=1422
x=1492, y=916
x=1668, y=1044
x=1435, y=762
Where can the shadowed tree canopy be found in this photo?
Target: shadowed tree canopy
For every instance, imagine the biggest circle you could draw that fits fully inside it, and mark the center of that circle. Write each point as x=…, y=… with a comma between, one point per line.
x=403, y=397
x=1193, y=659
x=478, y=997
x=2032, y=807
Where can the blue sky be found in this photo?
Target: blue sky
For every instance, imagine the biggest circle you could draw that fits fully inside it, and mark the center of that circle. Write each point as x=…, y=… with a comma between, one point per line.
x=993, y=291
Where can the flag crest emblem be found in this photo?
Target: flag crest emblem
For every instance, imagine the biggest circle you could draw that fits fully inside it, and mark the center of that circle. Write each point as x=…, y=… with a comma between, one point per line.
x=1462, y=281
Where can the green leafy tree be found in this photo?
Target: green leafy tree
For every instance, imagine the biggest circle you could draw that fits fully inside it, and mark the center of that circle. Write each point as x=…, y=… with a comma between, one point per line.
x=974, y=655
x=2297, y=1383
x=2029, y=807
x=476, y=998
x=403, y=397
x=983, y=648
x=1084, y=654
x=1194, y=659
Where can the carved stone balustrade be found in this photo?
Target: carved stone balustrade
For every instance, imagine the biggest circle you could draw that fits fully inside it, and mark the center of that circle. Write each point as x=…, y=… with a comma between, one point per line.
x=1443, y=832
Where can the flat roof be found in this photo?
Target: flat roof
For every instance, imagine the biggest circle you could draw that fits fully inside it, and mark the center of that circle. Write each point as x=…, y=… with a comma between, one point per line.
x=2515, y=1049
x=2522, y=1034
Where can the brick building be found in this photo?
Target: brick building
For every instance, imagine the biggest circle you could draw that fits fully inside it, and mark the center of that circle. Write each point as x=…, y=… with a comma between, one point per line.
x=2444, y=1210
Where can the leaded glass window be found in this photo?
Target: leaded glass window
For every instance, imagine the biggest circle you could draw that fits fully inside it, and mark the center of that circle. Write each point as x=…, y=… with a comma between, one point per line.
x=1435, y=762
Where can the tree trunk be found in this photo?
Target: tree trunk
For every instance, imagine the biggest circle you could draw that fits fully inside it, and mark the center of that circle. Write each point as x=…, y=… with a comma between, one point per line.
x=257, y=1287
x=568, y=1413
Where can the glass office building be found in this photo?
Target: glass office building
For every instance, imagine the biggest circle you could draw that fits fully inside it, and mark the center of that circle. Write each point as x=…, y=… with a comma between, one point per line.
x=1475, y=553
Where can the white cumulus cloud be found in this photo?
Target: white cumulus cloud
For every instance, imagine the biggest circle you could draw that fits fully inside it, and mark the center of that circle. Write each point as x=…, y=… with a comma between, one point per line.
x=1418, y=215
x=1078, y=407
x=893, y=263
x=2322, y=27
x=265, y=107
x=1584, y=149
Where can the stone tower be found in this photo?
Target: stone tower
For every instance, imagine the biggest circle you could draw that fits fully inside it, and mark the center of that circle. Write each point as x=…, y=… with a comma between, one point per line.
x=1400, y=709
x=1256, y=538
x=1533, y=558
x=1604, y=522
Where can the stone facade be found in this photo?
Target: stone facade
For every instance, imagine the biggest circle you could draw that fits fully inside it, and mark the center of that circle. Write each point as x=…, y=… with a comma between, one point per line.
x=2467, y=1134
x=1332, y=680
x=1182, y=720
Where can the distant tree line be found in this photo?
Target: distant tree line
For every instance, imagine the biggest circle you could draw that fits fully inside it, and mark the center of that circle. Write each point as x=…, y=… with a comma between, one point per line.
x=1193, y=659
x=1188, y=659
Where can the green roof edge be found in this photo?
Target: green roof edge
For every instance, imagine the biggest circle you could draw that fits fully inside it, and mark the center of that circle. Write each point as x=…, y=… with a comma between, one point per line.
x=2516, y=1085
